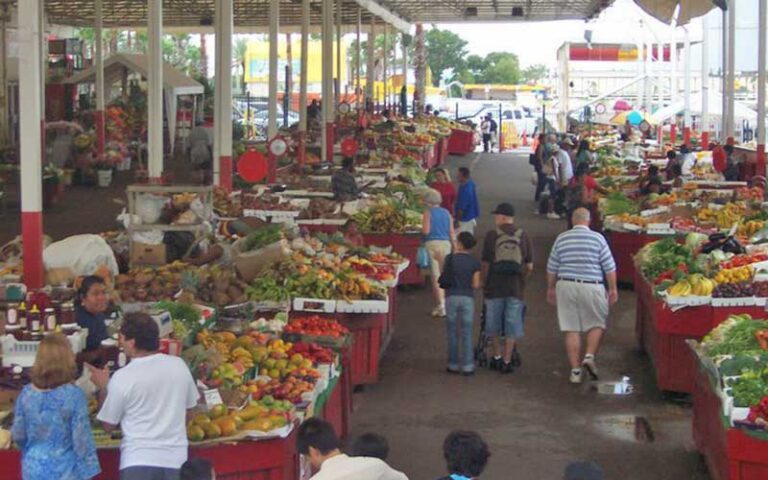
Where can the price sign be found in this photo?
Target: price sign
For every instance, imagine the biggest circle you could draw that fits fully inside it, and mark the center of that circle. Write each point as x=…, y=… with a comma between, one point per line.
x=344, y=108
x=212, y=397
x=278, y=146
x=644, y=126
x=252, y=166
x=349, y=147
x=600, y=108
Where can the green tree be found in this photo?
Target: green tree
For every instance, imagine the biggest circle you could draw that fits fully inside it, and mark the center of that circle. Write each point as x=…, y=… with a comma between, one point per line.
x=501, y=68
x=534, y=73
x=239, y=52
x=445, y=50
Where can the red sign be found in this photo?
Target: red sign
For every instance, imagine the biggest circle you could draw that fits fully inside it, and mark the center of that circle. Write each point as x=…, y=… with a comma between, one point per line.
x=349, y=147
x=252, y=166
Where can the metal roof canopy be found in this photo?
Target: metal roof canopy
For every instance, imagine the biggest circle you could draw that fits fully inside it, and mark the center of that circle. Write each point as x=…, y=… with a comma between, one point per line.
x=197, y=15
x=479, y=11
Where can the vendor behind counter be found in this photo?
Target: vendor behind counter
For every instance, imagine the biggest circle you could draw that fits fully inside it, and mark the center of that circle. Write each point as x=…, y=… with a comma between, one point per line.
x=91, y=310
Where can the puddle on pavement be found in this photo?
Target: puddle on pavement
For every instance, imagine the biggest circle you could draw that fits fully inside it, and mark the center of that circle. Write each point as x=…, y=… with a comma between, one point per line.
x=629, y=428
x=620, y=388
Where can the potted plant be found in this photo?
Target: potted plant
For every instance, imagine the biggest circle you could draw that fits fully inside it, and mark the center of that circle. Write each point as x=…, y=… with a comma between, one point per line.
x=104, y=166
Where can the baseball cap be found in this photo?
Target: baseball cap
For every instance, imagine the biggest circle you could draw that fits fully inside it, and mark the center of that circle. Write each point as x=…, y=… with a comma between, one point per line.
x=583, y=471
x=505, y=209
x=567, y=141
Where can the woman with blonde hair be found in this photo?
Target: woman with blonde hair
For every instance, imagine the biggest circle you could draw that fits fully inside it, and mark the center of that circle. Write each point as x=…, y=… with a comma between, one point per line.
x=437, y=227
x=51, y=425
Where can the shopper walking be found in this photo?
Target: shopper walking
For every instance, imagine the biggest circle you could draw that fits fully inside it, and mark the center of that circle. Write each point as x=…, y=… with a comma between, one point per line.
x=462, y=273
x=149, y=399
x=318, y=441
x=583, y=154
x=507, y=259
x=537, y=160
x=467, y=205
x=579, y=265
x=437, y=227
x=485, y=130
x=552, y=172
x=442, y=183
x=50, y=424
x=466, y=455
x=494, y=132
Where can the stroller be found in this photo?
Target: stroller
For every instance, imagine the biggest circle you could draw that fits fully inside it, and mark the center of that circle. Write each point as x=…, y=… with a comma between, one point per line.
x=483, y=340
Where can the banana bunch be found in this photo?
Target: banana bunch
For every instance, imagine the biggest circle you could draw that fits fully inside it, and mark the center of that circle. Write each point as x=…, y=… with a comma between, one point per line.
x=750, y=228
x=695, y=284
x=240, y=354
x=724, y=217
x=735, y=275
x=219, y=341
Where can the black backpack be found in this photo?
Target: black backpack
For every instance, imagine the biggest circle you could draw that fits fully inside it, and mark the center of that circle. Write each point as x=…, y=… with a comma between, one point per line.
x=508, y=255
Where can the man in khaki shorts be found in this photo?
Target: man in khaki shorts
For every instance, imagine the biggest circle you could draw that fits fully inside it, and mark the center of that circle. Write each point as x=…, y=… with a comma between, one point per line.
x=579, y=265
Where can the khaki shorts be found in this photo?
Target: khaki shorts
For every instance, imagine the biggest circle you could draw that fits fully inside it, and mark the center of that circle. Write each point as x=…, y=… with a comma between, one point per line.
x=581, y=306
x=438, y=250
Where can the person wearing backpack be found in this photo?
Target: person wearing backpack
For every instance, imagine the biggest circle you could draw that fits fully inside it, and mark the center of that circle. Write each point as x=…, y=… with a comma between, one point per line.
x=507, y=259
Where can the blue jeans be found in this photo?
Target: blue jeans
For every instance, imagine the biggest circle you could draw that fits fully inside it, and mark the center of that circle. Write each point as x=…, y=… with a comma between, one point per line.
x=460, y=313
x=504, y=315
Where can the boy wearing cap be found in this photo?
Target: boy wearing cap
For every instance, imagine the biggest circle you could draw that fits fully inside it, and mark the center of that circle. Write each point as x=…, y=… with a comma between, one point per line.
x=507, y=259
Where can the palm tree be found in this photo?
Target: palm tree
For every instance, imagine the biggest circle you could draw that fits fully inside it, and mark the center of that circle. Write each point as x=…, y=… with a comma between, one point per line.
x=239, y=52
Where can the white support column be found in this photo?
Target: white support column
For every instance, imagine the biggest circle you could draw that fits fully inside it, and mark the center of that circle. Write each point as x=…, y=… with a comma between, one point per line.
x=274, y=29
x=30, y=36
x=358, y=56
x=339, y=80
x=662, y=65
x=761, y=47
x=648, y=95
x=705, y=80
x=673, y=63
x=687, y=79
x=724, y=113
x=155, y=90
x=223, y=95
x=99, y=54
x=731, y=130
x=385, y=69
x=370, y=73
x=405, y=70
x=305, y=14
x=216, y=93
x=327, y=100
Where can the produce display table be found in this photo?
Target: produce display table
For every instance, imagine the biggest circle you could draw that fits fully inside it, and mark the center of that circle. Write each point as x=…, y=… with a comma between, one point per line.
x=406, y=244
x=730, y=453
x=367, y=330
x=461, y=142
x=662, y=333
x=429, y=157
x=275, y=459
x=624, y=246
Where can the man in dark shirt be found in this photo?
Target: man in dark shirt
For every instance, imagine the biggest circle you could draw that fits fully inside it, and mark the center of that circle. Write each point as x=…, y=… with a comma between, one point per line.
x=504, y=286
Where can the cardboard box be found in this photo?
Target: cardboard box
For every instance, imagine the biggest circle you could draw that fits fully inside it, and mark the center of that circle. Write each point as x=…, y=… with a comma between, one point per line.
x=250, y=264
x=145, y=254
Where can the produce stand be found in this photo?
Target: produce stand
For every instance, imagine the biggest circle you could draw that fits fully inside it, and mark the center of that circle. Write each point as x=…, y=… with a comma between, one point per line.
x=624, y=246
x=405, y=244
x=461, y=142
x=275, y=459
x=730, y=453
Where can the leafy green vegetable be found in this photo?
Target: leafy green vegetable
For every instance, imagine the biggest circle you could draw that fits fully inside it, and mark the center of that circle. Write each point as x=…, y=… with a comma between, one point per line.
x=734, y=336
x=736, y=365
x=658, y=257
x=749, y=389
x=263, y=237
x=617, y=203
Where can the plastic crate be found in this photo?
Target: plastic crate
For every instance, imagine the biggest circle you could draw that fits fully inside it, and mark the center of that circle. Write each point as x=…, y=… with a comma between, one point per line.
x=23, y=353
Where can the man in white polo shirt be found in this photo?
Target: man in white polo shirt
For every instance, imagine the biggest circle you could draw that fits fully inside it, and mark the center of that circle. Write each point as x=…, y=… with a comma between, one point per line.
x=579, y=265
x=149, y=399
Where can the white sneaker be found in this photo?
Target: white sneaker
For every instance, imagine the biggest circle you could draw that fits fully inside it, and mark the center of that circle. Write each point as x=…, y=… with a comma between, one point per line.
x=438, y=312
x=576, y=376
x=553, y=216
x=590, y=366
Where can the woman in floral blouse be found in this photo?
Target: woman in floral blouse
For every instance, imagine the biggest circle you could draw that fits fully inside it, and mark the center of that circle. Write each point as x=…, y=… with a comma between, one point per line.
x=51, y=424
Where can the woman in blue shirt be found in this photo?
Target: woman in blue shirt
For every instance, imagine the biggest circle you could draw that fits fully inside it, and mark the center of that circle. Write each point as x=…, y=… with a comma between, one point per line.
x=437, y=227
x=51, y=424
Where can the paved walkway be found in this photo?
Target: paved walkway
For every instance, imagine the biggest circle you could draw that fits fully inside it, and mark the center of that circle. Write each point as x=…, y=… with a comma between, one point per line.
x=534, y=420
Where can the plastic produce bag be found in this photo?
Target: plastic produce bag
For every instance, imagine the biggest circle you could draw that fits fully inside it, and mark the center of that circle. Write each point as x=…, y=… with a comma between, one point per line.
x=422, y=257
x=150, y=207
x=81, y=254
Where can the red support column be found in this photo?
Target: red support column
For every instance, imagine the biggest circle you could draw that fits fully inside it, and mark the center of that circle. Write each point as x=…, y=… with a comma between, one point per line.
x=32, y=238
x=705, y=140
x=100, y=131
x=761, y=160
x=225, y=173
x=673, y=134
x=329, y=141
x=302, y=151
x=687, y=136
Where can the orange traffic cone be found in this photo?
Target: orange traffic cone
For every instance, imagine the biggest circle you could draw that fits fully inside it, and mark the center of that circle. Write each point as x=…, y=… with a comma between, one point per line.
x=525, y=138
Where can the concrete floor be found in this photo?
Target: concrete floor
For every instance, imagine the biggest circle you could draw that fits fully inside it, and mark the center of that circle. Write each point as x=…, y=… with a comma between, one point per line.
x=534, y=421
